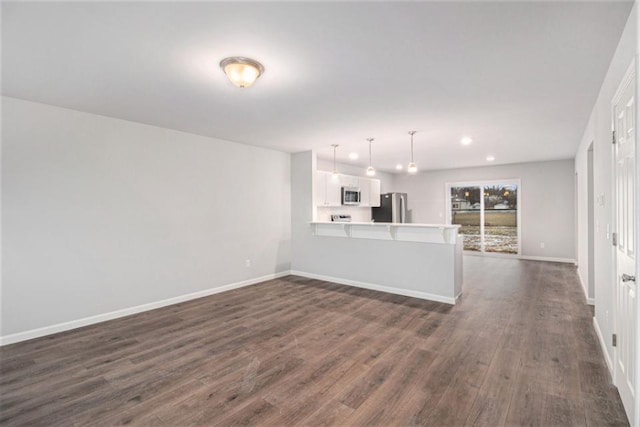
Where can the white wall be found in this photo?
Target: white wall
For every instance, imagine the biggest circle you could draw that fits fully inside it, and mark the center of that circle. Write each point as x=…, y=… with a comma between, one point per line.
x=303, y=178
x=590, y=282
x=598, y=131
x=547, y=198
x=101, y=214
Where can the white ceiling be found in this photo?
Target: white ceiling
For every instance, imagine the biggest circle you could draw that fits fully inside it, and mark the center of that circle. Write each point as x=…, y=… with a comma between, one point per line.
x=519, y=78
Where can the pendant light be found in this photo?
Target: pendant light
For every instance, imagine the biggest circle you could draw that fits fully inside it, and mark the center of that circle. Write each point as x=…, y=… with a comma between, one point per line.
x=370, y=170
x=334, y=174
x=412, y=168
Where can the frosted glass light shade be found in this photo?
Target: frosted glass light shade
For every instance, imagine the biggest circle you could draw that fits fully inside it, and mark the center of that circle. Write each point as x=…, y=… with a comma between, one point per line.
x=371, y=171
x=412, y=168
x=242, y=72
x=335, y=176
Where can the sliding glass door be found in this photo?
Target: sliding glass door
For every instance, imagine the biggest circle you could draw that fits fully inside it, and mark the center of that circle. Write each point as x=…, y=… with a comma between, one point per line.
x=487, y=213
x=466, y=211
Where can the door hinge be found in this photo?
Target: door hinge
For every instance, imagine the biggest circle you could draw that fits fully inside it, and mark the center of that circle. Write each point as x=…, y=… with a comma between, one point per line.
x=613, y=141
x=614, y=239
x=614, y=340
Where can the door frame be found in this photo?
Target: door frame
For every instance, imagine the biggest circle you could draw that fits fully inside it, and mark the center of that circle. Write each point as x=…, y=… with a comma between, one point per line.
x=477, y=183
x=631, y=73
x=636, y=66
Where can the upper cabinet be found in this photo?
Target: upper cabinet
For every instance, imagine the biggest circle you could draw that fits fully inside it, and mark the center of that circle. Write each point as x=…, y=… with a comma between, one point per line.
x=334, y=190
x=374, y=192
x=365, y=192
x=328, y=189
x=349, y=181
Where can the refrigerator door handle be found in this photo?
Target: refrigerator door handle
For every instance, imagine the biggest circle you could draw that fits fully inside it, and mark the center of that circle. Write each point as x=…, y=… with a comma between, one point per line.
x=394, y=208
x=402, y=209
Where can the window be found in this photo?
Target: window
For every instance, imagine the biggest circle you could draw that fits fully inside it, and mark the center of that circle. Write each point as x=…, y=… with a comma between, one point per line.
x=487, y=213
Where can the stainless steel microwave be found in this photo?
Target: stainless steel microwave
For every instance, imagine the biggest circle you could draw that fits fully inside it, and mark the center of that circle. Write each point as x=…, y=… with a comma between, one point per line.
x=350, y=196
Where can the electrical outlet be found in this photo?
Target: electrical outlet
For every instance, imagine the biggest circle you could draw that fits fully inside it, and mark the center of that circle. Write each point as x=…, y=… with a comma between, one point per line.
x=247, y=263
x=541, y=245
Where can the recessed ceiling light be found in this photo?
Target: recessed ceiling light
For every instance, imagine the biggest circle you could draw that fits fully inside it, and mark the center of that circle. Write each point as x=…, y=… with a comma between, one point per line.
x=399, y=166
x=353, y=156
x=466, y=140
x=490, y=158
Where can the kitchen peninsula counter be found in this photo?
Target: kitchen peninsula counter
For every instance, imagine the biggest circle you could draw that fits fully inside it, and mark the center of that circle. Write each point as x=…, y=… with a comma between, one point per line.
x=417, y=260
x=426, y=233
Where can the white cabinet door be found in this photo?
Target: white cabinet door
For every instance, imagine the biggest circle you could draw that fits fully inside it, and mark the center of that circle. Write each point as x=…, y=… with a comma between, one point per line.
x=349, y=181
x=374, y=193
x=321, y=188
x=329, y=189
x=365, y=192
x=334, y=191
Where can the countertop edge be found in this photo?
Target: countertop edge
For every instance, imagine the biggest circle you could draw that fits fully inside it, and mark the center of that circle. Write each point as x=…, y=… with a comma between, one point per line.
x=392, y=224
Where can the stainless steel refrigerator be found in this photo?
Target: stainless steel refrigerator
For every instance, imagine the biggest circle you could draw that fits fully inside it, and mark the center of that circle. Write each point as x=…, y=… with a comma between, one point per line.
x=393, y=208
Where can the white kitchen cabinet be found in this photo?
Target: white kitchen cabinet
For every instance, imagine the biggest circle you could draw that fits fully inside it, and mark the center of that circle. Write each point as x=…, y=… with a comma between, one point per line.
x=327, y=190
x=349, y=181
x=334, y=191
x=374, y=193
x=365, y=192
x=369, y=192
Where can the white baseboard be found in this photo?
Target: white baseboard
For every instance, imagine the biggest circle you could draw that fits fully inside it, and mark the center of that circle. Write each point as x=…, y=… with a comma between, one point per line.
x=490, y=254
x=66, y=326
x=590, y=301
x=549, y=259
x=380, y=288
x=603, y=346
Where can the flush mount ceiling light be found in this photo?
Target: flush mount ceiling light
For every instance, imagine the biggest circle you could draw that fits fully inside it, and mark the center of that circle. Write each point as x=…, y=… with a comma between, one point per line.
x=334, y=174
x=370, y=170
x=399, y=166
x=353, y=156
x=242, y=72
x=412, y=168
x=490, y=158
x=466, y=140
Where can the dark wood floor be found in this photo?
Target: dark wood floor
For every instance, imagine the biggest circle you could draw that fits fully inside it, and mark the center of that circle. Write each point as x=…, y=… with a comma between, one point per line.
x=519, y=349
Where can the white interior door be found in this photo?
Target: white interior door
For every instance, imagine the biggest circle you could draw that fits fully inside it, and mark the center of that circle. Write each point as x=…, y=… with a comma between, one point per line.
x=626, y=292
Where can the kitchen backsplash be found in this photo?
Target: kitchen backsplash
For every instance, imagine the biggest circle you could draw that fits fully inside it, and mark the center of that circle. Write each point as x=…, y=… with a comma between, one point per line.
x=357, y=214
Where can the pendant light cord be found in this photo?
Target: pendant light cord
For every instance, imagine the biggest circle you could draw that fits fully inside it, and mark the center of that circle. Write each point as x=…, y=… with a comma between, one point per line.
x=370, y=141
x=411, y=148
x=411, y=133
x=334, y=157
